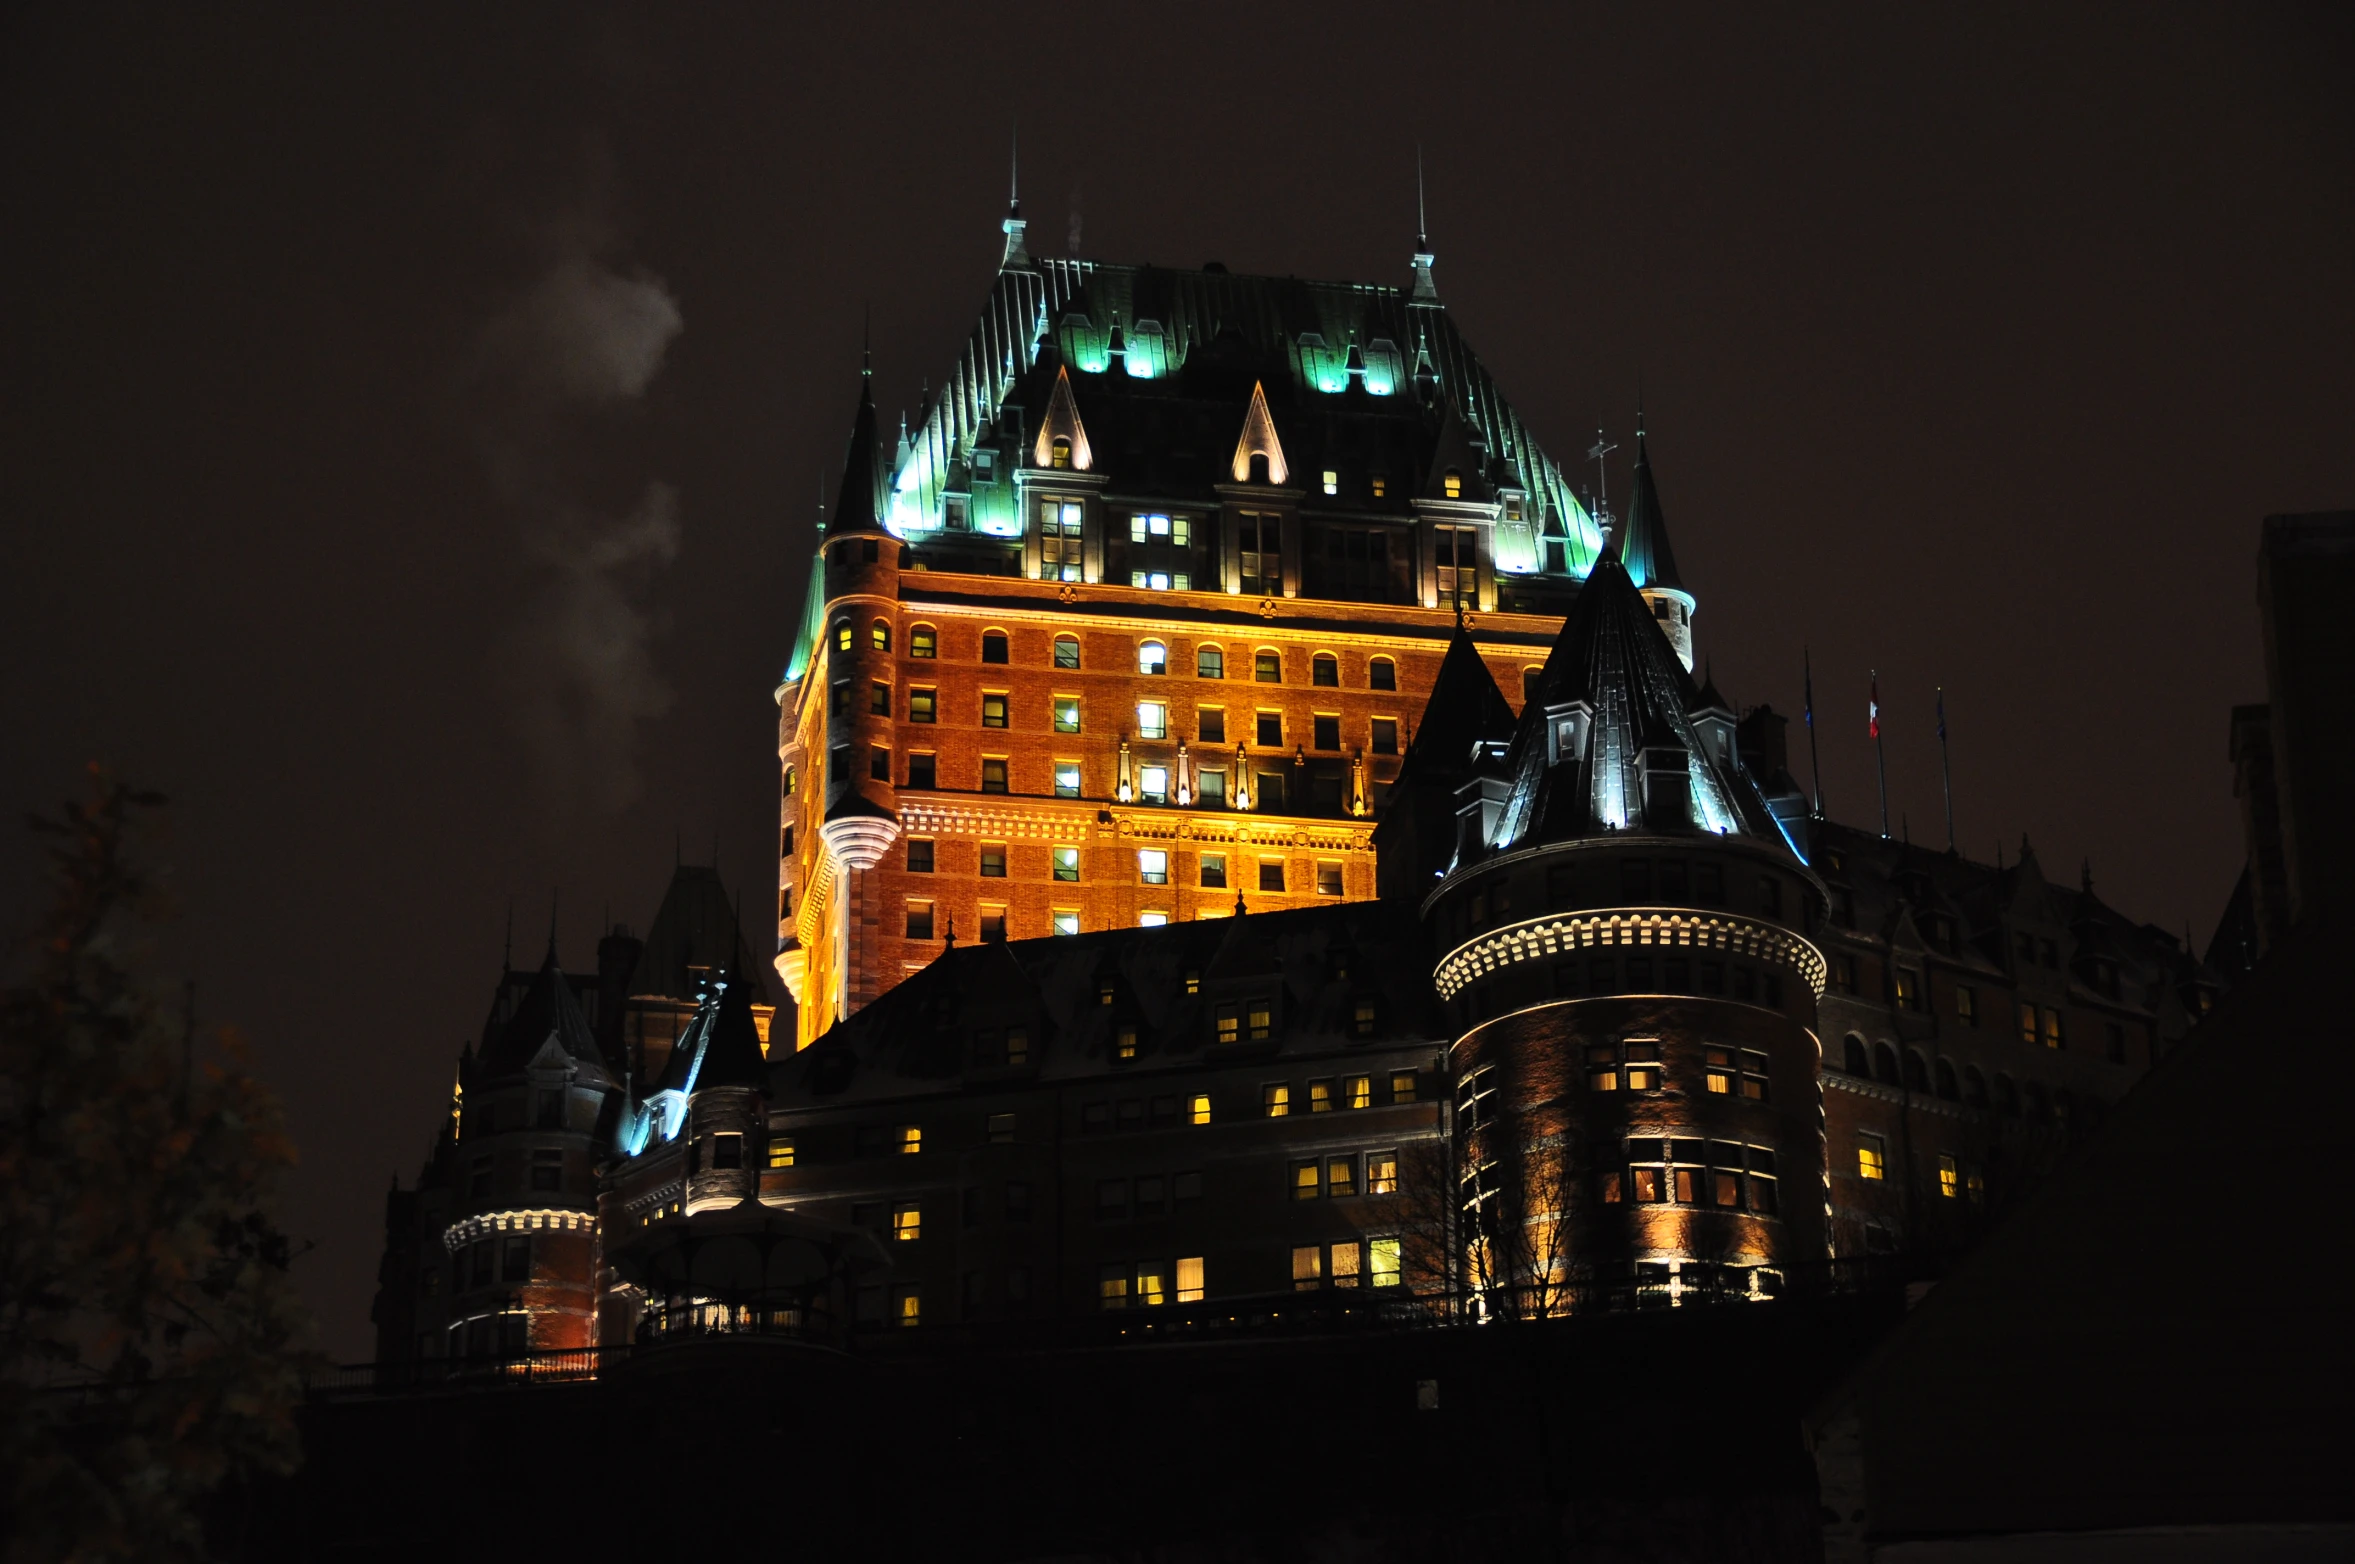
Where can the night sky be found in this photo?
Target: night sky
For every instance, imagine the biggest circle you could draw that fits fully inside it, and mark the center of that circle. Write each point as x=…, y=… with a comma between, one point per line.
x=413, y=420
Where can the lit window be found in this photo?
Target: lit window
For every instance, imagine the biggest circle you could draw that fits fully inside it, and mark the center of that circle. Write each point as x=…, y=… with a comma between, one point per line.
x=1382, y=1262
x=1328, y=879
x=1066, y=714
x=1199, y=1111
x=1066, y=651
x=911, y=1139
x=1332, y=481
x=1153, y=784
x=1210, y=789
x=1066, y=863
x=1320, y=1096
x=1871, y=1157
x=1214, y=871
x=1230, y=1022
x=1381, y=1172
x=1602, y=1068
x=923, y=641
x=1209, y=663
x=993, y=711
x=1152, y=920
x=907, y=1222
x=1361, y=1019
x=1059, y=454
x=1152, y=657
x=1340, y=1177
x=923, y=705
x=1643, y=1066
x=1949, y=1177
x=780, y=1151
x=1268, y=667
x=1381, y=487
x=1754, y=1075
x=882, y=635
x=1189, y=1279
x=1067, y=779
x=1346, y=1258
x=1720, y=1074
x=1124, y=1043
x=993, y=776
x=1153, y=866
x=2052, y=1029
x=1017, y=1038
x=1402, y=1086
x=842, y=636
x=1909, y=989
x=1152, y=720
x=2028, y=1023
x=1260, y=1017
x=1452, y=485
x=1357, y=1091
x=1306, y=1184
x=1152, y=1285
x=993, y=860
x=1308, y=1268
x=1066, y=922
x=1276, y=1099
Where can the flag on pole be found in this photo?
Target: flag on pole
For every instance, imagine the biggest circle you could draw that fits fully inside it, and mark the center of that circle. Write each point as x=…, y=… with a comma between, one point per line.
x=1872, y=711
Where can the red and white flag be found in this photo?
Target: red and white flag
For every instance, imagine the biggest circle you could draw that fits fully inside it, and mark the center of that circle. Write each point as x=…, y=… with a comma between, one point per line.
x=1872, y=709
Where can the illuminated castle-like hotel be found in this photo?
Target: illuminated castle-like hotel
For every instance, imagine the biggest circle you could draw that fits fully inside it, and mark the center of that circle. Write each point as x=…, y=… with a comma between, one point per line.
x=1247, y=831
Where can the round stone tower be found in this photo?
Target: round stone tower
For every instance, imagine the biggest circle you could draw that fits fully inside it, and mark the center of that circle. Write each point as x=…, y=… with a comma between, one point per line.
x=1624, y=938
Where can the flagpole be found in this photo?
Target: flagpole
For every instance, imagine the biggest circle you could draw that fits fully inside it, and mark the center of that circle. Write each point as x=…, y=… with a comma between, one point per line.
x=1945, y=768
x=1814, y=765
x=1880, y=756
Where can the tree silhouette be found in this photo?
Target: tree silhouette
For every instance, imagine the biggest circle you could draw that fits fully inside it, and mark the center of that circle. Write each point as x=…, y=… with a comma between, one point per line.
x=150, y=1337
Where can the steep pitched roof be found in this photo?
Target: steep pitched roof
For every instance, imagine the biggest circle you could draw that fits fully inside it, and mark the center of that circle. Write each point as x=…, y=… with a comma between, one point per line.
x=1259, y=439
x=732, y=1057
x=1612, y=658
x=694, y=933
x=1465, y=708
x=1643, y=548
x=858, y=504
x=547, y=1012
x=1062, y=422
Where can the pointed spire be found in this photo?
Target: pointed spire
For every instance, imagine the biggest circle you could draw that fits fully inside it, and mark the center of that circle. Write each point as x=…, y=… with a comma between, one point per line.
x=1062, y=427
x=1017, y=254
x=1645, y=551
x=1259, y=439
x=1426, y=292
x=858, y=505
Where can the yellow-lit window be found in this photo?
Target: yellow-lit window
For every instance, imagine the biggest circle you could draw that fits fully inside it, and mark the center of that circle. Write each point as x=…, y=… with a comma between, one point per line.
x=1262, y=1019
x=1306, y=1184
x=1320, y=1096
x=908, y=1305
x=882, y=634
x=1345, y=1263
x=842, y=636
x=1152, y=1285
x=1362, y=1020
x=1308, y=1268
x=2028, y=1024
x=2052, y=1029
x=1358, y=1091
x=923, y=641
x=1112, y=1287
x=1381, y=1172
x=1276, y=1099
x=1381, y=486
x=1908, y=989
x=1871, y=1157
x=1721, y=1071
x=1382, y=1262
x=780, y=1151
x=1452, y=485
x=1201, y=1109
x=1230, y=1022
x=1949, y=1177
x=1189, y=1280
x=1017, y=1037
x=1402, y=1086
x=1643, y=1066
x=911, y=1139
x=1125, y=1042
x=1341, y=1176
x=907, y=1222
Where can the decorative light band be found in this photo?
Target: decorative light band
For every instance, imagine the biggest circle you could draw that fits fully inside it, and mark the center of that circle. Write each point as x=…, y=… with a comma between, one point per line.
x=459, y=1234
x=859, y=842
x=1643, y=929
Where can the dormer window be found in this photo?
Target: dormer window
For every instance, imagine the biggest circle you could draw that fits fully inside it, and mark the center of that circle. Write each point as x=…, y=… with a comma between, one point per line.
x=1452, y=485
x=1381, y=486
x=1059, y=454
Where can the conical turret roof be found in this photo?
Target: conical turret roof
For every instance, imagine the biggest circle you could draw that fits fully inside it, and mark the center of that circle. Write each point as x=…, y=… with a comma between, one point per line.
x=1465, y=708
x=858, y=504
x=1643, y=547
x=547, y=1010
x=732, y=1057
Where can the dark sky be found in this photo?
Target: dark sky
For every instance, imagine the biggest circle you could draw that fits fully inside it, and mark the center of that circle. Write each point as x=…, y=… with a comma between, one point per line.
x=412, y=419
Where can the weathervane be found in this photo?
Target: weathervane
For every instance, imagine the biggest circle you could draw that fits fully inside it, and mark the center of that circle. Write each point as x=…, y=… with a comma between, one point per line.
x=1595, y=453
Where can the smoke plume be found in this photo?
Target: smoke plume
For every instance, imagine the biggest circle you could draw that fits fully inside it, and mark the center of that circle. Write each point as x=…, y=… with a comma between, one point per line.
x=557, y=374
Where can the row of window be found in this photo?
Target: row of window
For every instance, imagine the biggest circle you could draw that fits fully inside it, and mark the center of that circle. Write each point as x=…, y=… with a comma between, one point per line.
x=1153, y=719
x=1324, y=1096
x=546, y=1173
x=1726, y=1175
x=1634, y=1065
x=1955, y=1181
x=1344, y=1175
x=1267, y=790
x=1210, y=662
x=1138, y=1284
x=1917, y=1072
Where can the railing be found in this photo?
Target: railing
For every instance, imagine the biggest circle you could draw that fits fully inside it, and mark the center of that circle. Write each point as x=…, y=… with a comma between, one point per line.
x=521, y=1368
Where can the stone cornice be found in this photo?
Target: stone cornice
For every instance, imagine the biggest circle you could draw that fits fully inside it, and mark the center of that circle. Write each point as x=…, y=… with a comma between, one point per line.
x=1632, y=929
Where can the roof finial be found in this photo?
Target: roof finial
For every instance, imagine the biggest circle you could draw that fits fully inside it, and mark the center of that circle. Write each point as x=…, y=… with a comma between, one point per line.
x=1426, y=291
x=1014, y=171
x=867, y=342
x=551, y=923
x=1238, y=901
x=1422, y=221
x=1017, y=254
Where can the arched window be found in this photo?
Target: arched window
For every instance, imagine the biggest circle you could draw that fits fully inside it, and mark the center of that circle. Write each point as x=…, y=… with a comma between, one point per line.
x=1917, y=1071
x=1325, y=669
x=842, y=635
x=1948, y=1087
x=1152, y=657
x=1452, y=485
x=1209, y=663
x=882, y=635
x=1853, y=1059
x=1067, y=651
x=1974, y=1086
x=1885, y=1064
x=1381, y=674
x=923, y=641
x=993, y=646
x=1061, y=456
